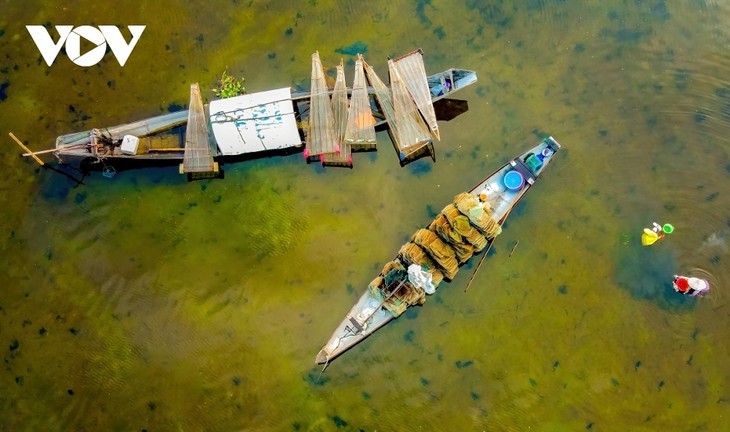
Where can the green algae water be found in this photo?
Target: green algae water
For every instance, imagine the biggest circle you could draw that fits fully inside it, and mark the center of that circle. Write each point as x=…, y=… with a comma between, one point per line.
x=146, y=302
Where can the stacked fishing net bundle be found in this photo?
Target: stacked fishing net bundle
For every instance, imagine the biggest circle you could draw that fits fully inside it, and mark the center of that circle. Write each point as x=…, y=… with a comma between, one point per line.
x=479, y=214
x=411, y=253
x=439, y=251
x=393, y=289
x=454, y=229
x=378, y=284
x=462, y=229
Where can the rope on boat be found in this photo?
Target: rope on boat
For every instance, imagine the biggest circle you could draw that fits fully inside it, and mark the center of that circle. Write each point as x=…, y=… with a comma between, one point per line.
x=108, y=171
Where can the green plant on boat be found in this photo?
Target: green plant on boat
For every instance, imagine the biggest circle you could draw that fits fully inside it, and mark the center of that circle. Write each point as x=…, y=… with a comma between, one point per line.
x=229, y=86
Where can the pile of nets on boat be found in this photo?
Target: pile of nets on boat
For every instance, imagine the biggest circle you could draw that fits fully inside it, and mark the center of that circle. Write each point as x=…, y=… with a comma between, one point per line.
x=462, y=229
x=394, y=290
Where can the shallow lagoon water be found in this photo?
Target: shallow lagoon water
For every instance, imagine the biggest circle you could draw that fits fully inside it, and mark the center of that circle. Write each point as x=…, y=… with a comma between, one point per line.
x=148, y=303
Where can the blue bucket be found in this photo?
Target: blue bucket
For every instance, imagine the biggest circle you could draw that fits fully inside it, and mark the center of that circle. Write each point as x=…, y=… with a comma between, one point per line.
x=513, y=180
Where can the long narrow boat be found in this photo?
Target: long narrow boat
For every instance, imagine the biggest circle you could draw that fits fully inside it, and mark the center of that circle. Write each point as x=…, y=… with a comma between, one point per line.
x=463, y=228
x=251, y=125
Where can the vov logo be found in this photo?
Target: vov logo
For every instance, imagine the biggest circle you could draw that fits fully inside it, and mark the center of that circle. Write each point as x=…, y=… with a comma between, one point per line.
x=105, y=34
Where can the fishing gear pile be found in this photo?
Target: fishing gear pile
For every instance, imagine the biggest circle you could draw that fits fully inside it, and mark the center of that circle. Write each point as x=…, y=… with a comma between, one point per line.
x=462, y=229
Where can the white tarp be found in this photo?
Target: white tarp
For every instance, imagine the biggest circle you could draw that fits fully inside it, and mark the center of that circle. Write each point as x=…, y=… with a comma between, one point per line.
x=421, y=279
x=254, y=122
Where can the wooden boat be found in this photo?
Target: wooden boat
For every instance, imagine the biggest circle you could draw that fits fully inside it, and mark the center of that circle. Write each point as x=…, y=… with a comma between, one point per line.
x=463, y=228
x=238, y=128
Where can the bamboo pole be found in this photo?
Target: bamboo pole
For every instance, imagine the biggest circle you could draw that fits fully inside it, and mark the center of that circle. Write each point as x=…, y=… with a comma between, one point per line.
x=504, y=219
x=38, y=152
x=73, y=147
x=481, y=260
x=24, y=147
x=513, y=248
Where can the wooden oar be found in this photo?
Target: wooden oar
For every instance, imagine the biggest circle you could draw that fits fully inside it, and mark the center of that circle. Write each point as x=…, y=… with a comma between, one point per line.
x=32, y=154
x=504, y=219
x=24, y=147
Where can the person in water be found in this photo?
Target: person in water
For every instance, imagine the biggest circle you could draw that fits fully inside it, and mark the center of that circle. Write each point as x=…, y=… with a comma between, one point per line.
x=690, y=286
x=655, y=233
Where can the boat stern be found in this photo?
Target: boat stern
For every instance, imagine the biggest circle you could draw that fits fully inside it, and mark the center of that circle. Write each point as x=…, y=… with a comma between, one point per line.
x=323, y=357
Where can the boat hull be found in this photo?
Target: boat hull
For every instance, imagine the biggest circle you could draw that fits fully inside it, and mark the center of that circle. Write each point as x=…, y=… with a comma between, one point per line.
x=501, y=190
x=163, y=137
